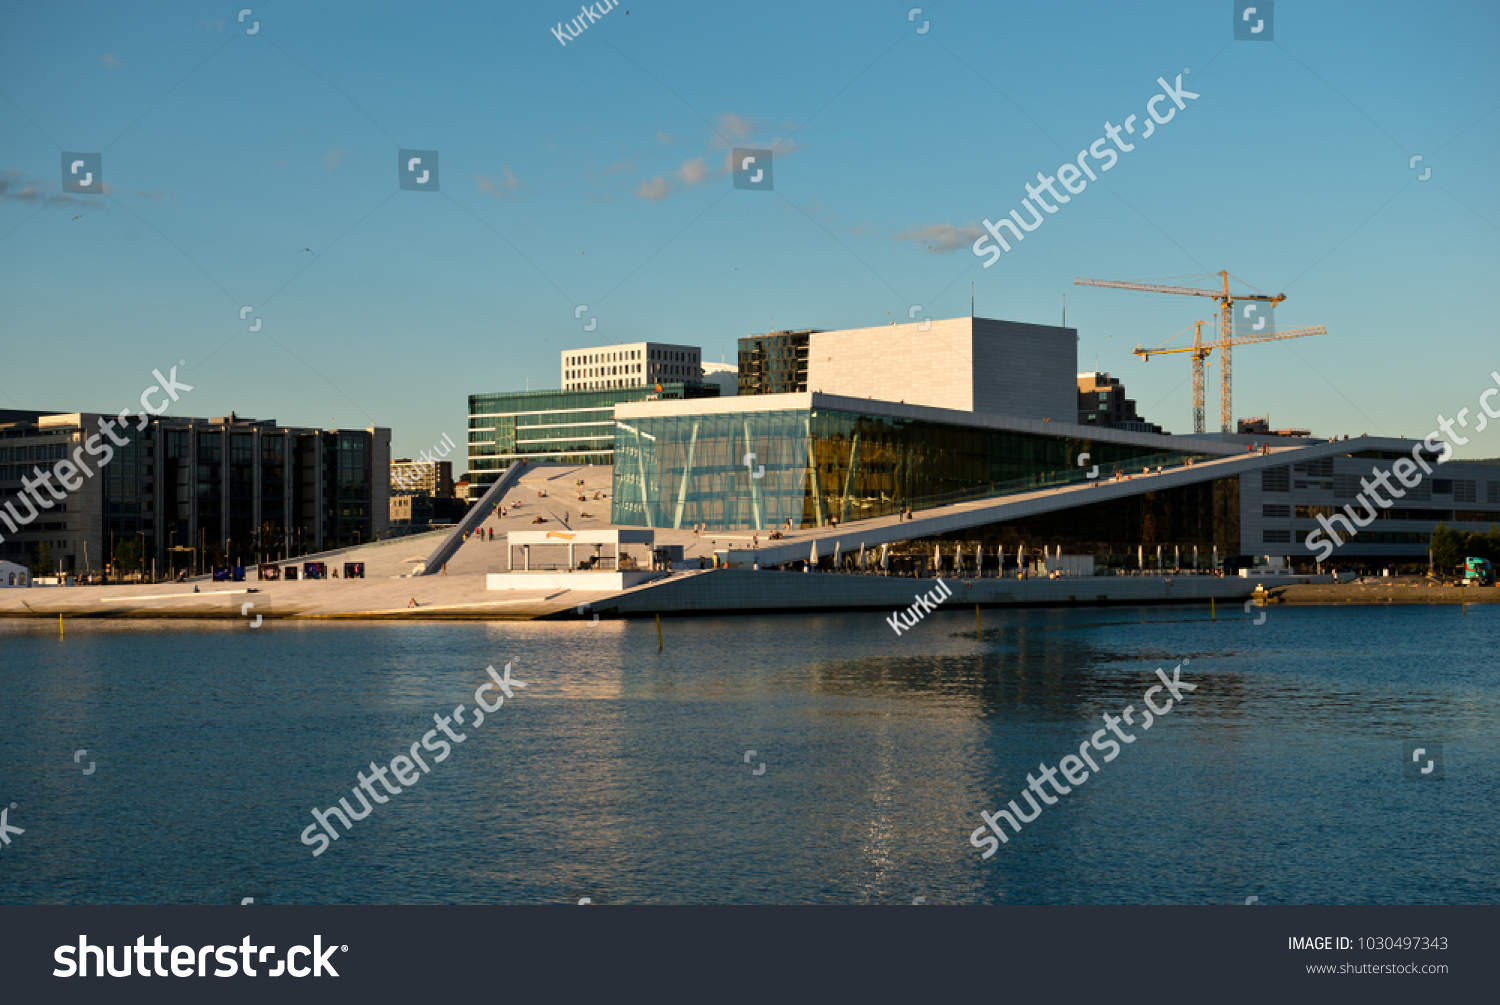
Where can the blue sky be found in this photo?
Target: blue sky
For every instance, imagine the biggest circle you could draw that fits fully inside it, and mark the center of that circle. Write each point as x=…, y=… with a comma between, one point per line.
x=593, y=173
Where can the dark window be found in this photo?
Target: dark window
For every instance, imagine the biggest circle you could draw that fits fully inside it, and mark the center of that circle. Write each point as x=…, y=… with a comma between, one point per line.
x=1276, y=479
x=1276, y=511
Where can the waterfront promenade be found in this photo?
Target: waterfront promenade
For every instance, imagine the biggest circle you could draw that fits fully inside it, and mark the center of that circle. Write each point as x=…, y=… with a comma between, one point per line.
x=550, y=493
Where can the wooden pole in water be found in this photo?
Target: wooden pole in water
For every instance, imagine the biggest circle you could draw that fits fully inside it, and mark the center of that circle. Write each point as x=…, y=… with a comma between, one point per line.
x=658, y=633
x=978, y=629
x=1463, y=598
x=59, y=625
x=1213, y=612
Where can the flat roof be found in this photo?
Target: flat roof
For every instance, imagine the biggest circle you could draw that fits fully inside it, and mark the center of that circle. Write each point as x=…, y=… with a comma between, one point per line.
x=954, y=417
x=615, y=535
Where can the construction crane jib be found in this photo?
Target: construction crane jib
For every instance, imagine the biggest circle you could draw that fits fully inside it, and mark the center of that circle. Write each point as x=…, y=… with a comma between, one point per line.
x=1226, y=342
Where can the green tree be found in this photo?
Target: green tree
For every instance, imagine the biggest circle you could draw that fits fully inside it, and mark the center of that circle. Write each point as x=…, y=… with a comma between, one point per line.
x=1447, y=548
x=1486, y=545
x=42, y=565
x=128, y=555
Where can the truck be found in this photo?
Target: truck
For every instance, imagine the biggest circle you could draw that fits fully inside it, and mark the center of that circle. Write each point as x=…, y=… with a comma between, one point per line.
x=1479, y=571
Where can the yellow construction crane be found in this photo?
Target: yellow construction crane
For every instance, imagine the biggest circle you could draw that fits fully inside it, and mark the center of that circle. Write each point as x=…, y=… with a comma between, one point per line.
x=1201, y=351
x=1225, y=343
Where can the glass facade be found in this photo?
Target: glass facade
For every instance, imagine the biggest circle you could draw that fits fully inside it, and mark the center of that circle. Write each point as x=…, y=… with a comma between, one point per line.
x=571, y=427
x=758, y=470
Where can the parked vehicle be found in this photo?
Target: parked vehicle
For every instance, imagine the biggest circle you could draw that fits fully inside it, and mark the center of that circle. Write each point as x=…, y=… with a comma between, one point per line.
x=1479, y=571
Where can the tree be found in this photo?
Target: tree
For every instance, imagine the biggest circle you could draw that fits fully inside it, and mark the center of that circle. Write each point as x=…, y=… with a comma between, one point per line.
x=1447, y=548
x=1485, y=545
x=128, y=555
x=42, y=565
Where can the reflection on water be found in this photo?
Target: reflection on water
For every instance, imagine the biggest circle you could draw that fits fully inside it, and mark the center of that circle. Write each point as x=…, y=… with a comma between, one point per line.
x=619, y=774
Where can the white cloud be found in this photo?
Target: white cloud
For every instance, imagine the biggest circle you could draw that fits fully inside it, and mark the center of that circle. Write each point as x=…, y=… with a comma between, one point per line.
x=112, y=62
x=731, y=129
x=503, y=188
x=941, y=238
x=654, y=189
x=693, y=172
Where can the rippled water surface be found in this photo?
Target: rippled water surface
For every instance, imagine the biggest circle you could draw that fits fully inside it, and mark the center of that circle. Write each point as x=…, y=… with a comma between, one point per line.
x=620, y=772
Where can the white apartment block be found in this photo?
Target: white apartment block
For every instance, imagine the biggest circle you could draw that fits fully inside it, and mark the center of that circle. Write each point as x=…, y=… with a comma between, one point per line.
x=629, y=364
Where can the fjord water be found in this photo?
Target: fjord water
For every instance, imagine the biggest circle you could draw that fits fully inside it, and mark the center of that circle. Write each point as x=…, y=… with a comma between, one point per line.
x=623, y=774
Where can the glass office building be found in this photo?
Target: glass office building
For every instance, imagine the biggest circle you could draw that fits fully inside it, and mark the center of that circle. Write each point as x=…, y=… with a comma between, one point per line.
x=759, y=468
x=562, y=427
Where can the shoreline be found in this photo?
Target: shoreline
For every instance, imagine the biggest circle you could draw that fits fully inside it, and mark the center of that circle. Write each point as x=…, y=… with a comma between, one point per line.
x=716, y=593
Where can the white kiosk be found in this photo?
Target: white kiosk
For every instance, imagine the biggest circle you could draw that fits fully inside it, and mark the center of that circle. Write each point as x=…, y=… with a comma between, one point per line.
x=614, y=559
x=12, y=574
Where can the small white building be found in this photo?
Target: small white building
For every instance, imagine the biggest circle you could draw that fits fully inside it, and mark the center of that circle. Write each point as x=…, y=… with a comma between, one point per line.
x=613, y=559
x=12, y=574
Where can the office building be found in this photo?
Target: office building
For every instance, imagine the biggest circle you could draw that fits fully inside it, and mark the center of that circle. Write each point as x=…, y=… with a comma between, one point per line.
x=418, y=511
x=432, y=478
x=190, y=491
x=1281, y=506
x=568, y=426
x=629, y=364
x=1102, y=403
